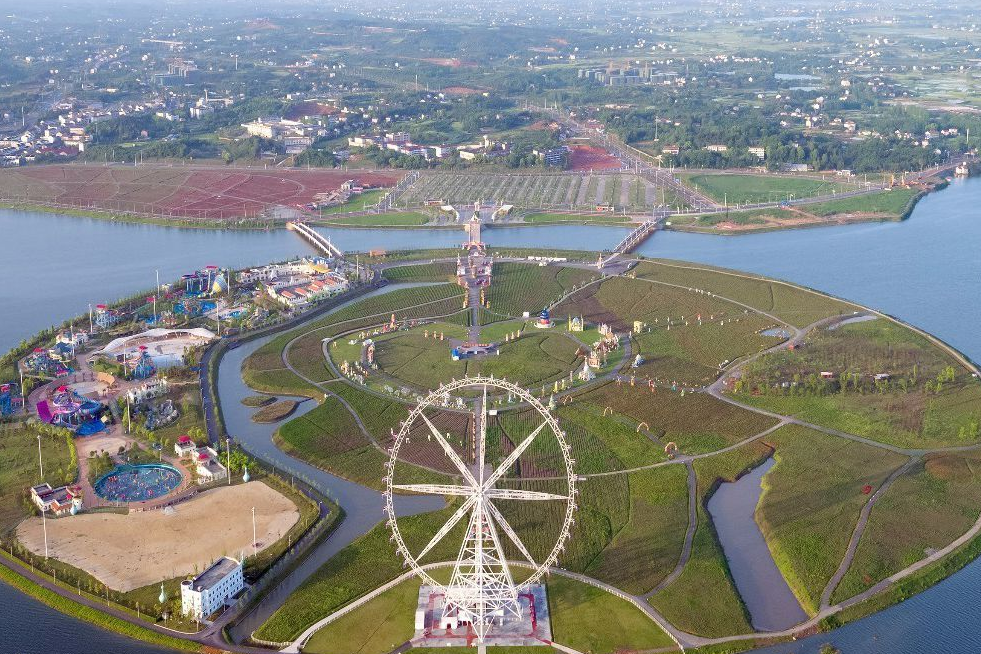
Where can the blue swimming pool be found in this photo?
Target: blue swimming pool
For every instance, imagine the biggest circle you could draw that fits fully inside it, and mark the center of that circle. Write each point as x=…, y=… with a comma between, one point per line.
x=138, y=483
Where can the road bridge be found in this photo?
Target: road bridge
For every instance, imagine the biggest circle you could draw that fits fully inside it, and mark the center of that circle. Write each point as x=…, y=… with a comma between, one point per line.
x=637, y=236
x=316, y=239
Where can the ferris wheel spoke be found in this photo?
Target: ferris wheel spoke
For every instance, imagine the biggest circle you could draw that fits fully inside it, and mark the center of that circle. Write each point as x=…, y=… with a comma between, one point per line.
x=518, y=494
x=446, y=528
x=513, y=457
x=450, y=452
x=506, y=528
x=435, y=489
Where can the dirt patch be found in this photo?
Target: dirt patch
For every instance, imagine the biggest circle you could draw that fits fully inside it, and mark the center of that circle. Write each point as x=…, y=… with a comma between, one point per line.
x=129, y=551
x=461, y=90
x=589, y=157
x=301, y=109
x=198, y=192
x=449, y=62
x=948, y=468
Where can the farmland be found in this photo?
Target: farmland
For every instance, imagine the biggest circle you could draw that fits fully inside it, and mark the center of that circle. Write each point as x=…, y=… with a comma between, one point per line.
x=177, y=192
x=739, y=189
x=582, y=190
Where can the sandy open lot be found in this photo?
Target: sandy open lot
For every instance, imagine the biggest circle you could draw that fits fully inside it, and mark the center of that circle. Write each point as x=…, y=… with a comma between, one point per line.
x=129, y=551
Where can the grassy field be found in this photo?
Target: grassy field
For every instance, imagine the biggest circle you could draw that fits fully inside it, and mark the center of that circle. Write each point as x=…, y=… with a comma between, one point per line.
x=697, y=422
x=19, y=450
x=704, y=600
x=264, y=369
x=539, y=218
x=589, y=619
x=429, y=272
x=583, y=617
x=797, y=306
x=378, y=627
x=693, y=354
x=748, y=189
x=619, y=301
x=928, y=400
x=893, y=203
x=647, y=548
x=357, y=202
x=928, y=507
x=362, y=566
x=607, y=443
x=520, y=287
x=389, y=219
x=811, y=501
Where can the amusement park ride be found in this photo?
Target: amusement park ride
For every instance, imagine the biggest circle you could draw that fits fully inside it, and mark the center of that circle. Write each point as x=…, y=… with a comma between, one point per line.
x=482, y=597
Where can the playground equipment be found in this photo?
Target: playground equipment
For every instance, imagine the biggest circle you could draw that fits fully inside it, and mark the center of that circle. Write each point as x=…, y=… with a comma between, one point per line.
x=41, y=363
x=144, y=366
x=68, y=409
x=106, y=317
x=10, y=399
x=200, y=282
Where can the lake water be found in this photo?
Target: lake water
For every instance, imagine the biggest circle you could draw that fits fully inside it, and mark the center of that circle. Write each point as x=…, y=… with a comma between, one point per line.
x=924, y=270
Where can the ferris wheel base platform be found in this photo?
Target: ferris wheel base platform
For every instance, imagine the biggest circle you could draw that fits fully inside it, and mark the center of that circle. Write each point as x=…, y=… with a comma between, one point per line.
x=533, y=627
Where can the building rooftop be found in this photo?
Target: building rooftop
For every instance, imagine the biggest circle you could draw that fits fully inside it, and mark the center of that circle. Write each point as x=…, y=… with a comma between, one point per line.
x=218, y=571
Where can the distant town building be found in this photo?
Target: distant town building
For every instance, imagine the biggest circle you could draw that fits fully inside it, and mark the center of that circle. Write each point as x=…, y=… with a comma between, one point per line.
x=209, y=591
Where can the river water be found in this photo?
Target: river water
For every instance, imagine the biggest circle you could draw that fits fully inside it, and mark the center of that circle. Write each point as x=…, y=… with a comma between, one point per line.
x=771, y=604
x=924, y=270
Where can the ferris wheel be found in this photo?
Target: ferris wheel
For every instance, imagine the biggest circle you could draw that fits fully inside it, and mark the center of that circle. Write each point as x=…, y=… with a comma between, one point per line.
x=482, y=588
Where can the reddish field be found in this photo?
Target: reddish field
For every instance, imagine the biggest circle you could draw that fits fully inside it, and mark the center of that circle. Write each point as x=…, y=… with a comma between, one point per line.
x=588, y=157
x=310, y=108
x=185, y=191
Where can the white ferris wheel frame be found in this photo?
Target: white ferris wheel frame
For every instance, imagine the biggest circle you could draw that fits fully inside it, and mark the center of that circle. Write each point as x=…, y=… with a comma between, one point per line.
x=482, y=582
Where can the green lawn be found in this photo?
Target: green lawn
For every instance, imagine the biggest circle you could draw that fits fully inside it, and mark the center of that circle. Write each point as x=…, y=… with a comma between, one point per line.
x=362, y=566
x=378, y=627
x=357, y=202
x=575, y=218
x=391, y=219
x=928, y=507
x=520, y=287
x=606, y=443
x=895, y=202
x=427, y=272
x=697, y=422
x=589, y=619
x=19, y=450
x=648, y=546
x=583, y=617
x=747, y=189
x=811, y=501
x=795, y=305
